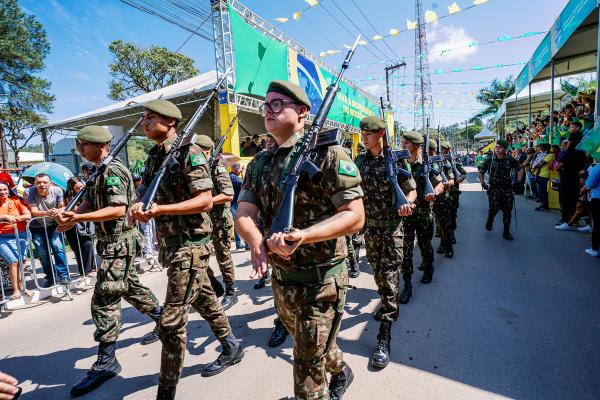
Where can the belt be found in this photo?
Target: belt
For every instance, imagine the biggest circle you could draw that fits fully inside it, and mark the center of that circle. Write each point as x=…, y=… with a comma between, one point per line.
x=123, y=235
x=383, y=223
x=182, y=241
x=316, y=274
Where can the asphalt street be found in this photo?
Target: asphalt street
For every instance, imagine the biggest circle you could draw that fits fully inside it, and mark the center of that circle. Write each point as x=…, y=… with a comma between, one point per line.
x=500, y=320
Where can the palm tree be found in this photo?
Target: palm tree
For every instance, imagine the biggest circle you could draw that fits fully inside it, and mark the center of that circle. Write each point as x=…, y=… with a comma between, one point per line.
x=493, y=96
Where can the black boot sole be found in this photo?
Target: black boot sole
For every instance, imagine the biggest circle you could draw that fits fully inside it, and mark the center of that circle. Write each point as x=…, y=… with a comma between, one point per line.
x=350, y=380
x=227, y=306
x=380, y=366
x=354, y=274
x=236, y=360
x=95, y=385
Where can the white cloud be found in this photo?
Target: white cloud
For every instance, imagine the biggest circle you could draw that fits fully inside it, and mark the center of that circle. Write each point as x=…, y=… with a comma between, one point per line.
x=444, y=38
x=375, y=89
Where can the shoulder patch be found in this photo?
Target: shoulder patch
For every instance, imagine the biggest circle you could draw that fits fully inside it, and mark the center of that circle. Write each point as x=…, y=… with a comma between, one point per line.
x=197, y=159
x=113, y=181
x=347, y=168
x=221, y=170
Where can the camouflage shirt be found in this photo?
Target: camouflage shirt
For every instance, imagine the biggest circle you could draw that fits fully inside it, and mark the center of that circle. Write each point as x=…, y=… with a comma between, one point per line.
x=500, y=170
x=221, y=184
x=460, y=168
x=417, y=171
x=193, y=175
x=379, y=197
x=314, y=202
x=113, y=188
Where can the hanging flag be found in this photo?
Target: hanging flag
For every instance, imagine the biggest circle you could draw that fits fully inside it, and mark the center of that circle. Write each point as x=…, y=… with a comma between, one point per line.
x=332, y=52
x=322, y=54
x=377, y=37
x=394, y=32
x=478, y=2
x=453, y=9
x=297, y=15
x=410, y=25
x=430, y=16
x=281, y=20
x=362, y=42
x=312, y=3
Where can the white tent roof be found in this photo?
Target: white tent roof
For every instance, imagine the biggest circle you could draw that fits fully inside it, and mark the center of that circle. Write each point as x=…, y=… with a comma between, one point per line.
x=485, y=134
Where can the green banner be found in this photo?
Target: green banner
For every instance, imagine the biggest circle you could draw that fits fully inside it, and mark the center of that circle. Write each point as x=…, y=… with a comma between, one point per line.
x=522, y=80
x=540, y=58
x=571, y=17
x=260, y=59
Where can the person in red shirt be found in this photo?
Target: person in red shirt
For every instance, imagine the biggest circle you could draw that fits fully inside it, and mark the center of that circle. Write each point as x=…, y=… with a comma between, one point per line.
x=13, y=215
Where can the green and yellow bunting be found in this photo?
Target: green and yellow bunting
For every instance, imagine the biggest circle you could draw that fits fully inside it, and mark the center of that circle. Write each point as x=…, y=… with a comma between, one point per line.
x=347, y=168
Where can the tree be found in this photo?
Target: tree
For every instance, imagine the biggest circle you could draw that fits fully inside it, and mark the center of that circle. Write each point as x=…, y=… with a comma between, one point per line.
x=23, y=96
x=493, y=96
x=136, y=70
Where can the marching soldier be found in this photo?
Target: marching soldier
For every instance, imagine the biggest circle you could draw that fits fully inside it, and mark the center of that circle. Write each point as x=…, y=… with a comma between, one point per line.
x=222, y=222
x=454, y=190
x=353, y=265
x=441, y=206
x=106, y=204
x=181, y=210
x=309, y=269
x=500, y=167
x=420, y=222
x=384, y=237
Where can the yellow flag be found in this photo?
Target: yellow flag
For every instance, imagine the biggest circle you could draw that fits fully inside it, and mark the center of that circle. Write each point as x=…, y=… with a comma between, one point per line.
x=282, y=20
x=377, y=37
x=430, y=16
x=453, y=9
x=331, y=52
x=322, y=54
x=297, y=15
x=362, y=42
x=478, y=2
x=411, y=25
x=312, y=3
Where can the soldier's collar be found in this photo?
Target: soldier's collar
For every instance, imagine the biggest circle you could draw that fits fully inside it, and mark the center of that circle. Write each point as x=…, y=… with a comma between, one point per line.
x=381, y=155
x=167, y=144
x=291, y=142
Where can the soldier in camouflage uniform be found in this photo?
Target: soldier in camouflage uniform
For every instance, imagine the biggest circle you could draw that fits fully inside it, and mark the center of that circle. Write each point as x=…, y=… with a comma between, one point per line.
x=441, y=206
x=181, y=206
x=353, y=265
x=309, y=269
x=454, y=190
x=384, y=236
x=222, y=222
x=500, y=189
x=106, y=205
x=420, y=223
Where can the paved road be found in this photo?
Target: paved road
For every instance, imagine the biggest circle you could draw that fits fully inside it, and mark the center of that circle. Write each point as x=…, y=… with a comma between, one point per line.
x=501, y=320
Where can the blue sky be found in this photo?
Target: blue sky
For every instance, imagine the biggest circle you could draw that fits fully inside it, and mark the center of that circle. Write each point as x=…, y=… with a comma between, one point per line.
x=80, y=32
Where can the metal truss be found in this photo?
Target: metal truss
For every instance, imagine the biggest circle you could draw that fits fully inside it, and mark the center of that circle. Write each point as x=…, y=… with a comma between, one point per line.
x=224, y=60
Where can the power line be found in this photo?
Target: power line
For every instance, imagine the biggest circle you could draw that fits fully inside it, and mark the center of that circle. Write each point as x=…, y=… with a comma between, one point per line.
x=375, y=30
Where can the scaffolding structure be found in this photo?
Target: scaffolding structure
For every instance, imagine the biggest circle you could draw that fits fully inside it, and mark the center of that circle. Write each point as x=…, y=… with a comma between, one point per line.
x=423, y=103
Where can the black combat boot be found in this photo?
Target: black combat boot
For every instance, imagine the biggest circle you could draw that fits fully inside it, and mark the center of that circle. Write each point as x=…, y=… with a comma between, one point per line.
x=232, y=353
x=278, y=335
x=490, y=221
x=427, y=275
x=230, y=297
x=354, y=269
x=407, y=291
x=453, y=239
x=381, y=356
x=152, y=336
x=441, y=249
x=264, y=281
x=105, y=367
x=338, y=384
x=165, y=392
x=506, y=234
x=448, y=250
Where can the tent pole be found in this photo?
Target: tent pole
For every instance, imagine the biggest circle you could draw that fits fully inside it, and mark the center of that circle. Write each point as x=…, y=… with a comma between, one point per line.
x=529, y=126
x=596, y=108
x=517, y=120
x=551, y=101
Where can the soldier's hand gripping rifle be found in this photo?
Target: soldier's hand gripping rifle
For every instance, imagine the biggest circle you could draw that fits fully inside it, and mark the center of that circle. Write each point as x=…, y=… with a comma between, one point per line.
x=392, y=161
x=306, y=146
x=186, y=137
x=455, y=171
x=100, y=168
x=214, y=159
x=439, y=159
x=427, y=164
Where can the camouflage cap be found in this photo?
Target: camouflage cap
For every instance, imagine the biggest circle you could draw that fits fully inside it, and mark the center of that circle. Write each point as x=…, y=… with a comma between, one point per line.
x=372, y=123
x=204, y=141
x=94, y=134
x=445, y=144
x=163, y=107
x=502, y=143
x=413, y=137
x=291, y=90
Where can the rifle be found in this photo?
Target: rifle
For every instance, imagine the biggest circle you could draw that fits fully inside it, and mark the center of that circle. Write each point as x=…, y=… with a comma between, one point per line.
x=306, y=150
x=186, y=137
x=392, y=158
x=455, y=170
x=103, y=165
x=439, y=158
x=217, y=151
x=426, y=164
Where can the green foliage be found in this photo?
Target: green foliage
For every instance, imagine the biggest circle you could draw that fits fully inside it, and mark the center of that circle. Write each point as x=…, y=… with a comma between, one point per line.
x=493, y=96
x=136, y=70
x=137, y=149
x=23, y=96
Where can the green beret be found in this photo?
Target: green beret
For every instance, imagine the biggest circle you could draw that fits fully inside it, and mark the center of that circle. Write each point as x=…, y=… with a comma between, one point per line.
x=163, y=107
x=94, y=134
x=372, y=123
x=204, y=141
x=446, y=144
x=502, y=143
x=413, y=137
x=291, y=90
x=432, y=144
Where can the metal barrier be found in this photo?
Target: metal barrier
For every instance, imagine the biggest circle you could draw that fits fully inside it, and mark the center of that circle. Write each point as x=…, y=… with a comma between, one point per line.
x=21, y=270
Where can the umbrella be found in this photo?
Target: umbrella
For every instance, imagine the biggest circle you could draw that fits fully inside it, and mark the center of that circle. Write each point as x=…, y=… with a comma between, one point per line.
x=57, y=173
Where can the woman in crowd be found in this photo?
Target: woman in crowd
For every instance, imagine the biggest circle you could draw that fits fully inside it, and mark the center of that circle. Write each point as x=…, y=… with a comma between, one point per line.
x=84, y=247
x=592, y=184
x=14, y=214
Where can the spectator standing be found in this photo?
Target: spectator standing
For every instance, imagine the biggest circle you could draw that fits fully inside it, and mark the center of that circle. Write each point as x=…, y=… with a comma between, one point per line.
x=81, y=236
x=149, y=248
x=252, y=148
x=543, y=176
x=236, y=181
x=592, y=183
x=45, y=200
x=13, y=214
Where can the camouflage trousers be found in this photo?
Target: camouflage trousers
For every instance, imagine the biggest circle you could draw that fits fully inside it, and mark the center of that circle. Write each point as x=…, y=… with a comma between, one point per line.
x=501, y=200
x=443, y=218
x=454, y=205
x=307, y=310
x=384, y=252
x=173, y=321
x=222, y=244
x=419, y=225
x=106, y=306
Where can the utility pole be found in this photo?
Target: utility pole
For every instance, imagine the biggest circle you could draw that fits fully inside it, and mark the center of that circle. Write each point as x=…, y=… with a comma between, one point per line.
x=3, y=148
x=388, y=71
